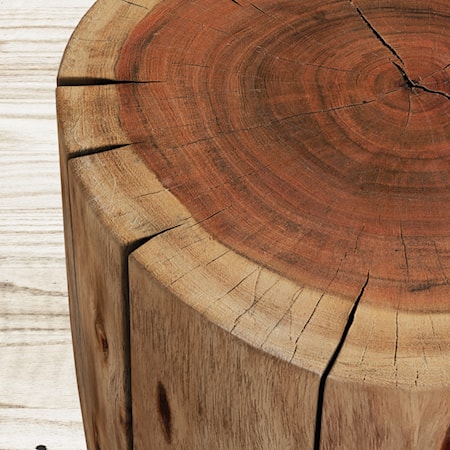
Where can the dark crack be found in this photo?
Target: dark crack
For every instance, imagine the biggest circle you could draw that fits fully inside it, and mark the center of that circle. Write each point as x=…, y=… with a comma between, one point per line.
x=135, y=4
x=319, y=111
x=126, y=253
x=94, y=81
x=258, y=8
x=376, y=33
x=405, y=253
x=414, y=84
x=409, y=82
x=331, y=362
x=130, y=248
x=98, y=150
x=396, y=348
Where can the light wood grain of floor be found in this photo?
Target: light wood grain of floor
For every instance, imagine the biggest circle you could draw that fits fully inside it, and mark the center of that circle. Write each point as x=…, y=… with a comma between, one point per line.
x=38, y=395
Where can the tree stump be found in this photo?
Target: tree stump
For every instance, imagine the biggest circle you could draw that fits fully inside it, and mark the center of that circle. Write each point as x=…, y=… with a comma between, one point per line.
x=257, y=226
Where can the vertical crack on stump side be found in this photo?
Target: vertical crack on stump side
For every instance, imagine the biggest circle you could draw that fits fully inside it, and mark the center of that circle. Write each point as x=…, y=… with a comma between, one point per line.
x=128, y=250
x=334, y=356
x=396, y=347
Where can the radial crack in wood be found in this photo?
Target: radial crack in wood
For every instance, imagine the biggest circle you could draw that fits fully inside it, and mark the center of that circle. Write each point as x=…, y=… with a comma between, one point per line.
x=376, y=33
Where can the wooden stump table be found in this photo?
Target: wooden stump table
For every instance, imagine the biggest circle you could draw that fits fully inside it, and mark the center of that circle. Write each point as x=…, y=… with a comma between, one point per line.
x=256, y=199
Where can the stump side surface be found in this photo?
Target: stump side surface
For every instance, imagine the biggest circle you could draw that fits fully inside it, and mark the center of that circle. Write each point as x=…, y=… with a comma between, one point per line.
x=282, y=173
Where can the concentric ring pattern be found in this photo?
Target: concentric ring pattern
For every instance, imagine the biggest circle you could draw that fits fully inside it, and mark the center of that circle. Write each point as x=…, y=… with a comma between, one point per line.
x=311, y=137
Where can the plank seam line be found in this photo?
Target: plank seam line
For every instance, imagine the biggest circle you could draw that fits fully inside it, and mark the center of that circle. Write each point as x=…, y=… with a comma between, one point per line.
x=331, y=362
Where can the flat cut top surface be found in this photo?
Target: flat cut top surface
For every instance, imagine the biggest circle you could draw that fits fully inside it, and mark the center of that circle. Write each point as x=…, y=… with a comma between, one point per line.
x=309, y=147
x=318, y=137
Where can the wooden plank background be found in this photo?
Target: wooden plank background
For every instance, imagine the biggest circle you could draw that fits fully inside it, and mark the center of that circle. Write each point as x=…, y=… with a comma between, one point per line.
x=38, y=395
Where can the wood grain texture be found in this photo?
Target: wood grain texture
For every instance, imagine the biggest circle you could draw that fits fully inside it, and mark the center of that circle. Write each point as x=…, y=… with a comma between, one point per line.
x=38, y=397
x=259, y=187
x=99, y=305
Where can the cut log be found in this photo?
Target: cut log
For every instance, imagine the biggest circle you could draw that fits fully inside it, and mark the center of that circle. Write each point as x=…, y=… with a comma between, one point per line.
x=257, y=225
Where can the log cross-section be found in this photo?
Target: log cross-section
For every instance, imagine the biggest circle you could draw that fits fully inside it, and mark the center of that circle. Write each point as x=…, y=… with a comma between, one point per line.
x=256, y=199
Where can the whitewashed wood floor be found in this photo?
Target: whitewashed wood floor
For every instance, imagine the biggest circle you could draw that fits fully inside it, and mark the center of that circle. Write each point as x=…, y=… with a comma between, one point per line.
x=38, y=394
